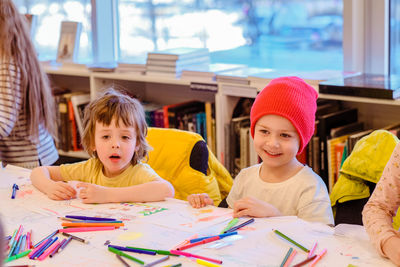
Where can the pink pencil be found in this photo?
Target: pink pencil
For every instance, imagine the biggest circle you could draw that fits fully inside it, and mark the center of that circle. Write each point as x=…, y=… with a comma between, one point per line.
x=86, y=229
x=318, y=258
x=290, y=259
x=48, y=250
x=312, y=250
x=177, y=252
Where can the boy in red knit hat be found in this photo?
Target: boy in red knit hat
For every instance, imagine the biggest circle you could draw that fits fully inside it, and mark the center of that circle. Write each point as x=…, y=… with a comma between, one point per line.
x=282, y=123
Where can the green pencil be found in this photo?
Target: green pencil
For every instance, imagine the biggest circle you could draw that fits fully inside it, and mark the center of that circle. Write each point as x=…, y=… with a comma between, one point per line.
x=291, y=241
x=158, y=251
x=232, y=223
x=20, y=255
x=119, y=252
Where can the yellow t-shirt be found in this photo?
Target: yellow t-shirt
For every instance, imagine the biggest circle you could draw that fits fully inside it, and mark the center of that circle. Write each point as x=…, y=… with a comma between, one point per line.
x=91, y=171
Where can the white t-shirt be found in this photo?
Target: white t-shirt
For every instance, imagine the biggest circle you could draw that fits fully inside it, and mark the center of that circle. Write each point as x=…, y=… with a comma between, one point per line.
x=304, y=195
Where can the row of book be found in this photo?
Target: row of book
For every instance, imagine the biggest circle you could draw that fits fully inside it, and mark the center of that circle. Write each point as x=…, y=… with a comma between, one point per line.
x=194, y=116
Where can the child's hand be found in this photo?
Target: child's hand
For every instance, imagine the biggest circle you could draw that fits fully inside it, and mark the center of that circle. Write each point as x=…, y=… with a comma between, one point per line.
x=250, y=206
x=391, y=248
x=60, y=190
x=92, y=193
x=200, y=200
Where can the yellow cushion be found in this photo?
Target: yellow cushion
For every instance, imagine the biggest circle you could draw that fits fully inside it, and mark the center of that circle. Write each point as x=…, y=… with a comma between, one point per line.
x=170, y=158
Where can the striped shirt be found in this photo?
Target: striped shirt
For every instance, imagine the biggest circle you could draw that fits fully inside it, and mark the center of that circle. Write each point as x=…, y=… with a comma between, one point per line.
x=16, y=146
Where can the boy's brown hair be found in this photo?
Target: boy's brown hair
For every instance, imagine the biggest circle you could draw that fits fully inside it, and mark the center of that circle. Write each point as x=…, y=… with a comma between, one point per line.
x=113, y=104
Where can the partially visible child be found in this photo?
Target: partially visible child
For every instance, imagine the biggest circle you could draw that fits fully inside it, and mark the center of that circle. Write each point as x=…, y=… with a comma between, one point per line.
x=282, y=123
x=381, y=208
x=114, y=135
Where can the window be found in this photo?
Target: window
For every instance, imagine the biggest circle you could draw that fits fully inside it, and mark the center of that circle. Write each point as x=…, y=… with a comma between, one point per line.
x=290, y=35
x=394, y=32
x=47, y=23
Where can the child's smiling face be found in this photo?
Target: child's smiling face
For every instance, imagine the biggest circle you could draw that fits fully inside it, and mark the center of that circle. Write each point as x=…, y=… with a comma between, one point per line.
x=115, y=146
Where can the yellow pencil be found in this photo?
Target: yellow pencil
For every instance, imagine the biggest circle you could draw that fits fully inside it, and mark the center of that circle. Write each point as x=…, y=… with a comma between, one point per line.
x=207, y=263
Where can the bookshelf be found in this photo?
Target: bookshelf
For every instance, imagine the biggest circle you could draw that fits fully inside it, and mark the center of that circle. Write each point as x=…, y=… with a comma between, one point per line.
x=375, y=113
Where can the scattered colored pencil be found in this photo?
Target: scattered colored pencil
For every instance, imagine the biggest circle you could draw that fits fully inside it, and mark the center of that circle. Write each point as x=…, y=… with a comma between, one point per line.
x=233, y=229
x=232, y=223
x=286, y=257
x=291, y=241
x=319, y=256
x=186, y=254
x=305, y=261
x=121, y=253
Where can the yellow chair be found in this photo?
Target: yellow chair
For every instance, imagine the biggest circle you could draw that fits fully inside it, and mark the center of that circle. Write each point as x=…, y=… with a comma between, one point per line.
x=183, y=158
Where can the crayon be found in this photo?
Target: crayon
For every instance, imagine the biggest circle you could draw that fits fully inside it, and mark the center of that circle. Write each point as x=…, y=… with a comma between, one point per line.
x=118, y=252
x=20, y=255
x=186, y=254
x=286, y=257
x=233, y=229
x=232, y=223
x=157, y=261
x=86, y=229
x=89, y=218
x=221, y=236
x=291, y=241
x=305, y=261
x=75, y=237
x=133, y=250
x=319, y=256
x=122, y=260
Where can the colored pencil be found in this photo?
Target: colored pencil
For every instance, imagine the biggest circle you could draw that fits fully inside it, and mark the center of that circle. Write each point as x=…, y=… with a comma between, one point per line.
x=49, y=250
x=291, y=241
x=42, y=247
x=157, y=261
x=122, y=260
x=206, y=263
x=158, y=251
x=47, y=237
x=64, y=244
x=233, y=229
x=204, y=241
x=36, y=249
x=75, y=237
x=312, y=249
x=134, y=250
x=221, y=236
x=74, y=224
x=86, y=229
x=55, y=249
x=45, y=248
x=20, y=255
x=174, y=265
x=232, y=223
x=186, y=254
x=319, y=256
x=290, y=259
x=286, y=257
x=305, y=261
x=89, y=218
x=121, y=253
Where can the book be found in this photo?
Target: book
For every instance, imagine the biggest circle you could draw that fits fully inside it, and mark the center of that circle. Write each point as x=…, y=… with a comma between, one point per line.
x=79, y=102
x=364, y=85
x=68, y=44
x=333, y=160
x=347, y=129
x=326, y=123
x=177, y=53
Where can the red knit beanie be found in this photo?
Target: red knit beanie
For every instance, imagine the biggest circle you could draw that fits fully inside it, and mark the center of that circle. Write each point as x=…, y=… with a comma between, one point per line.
x=292, y=98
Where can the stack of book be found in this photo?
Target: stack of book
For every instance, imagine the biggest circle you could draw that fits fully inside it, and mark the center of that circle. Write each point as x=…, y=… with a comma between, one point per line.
x=210, y=74
x=172, y=62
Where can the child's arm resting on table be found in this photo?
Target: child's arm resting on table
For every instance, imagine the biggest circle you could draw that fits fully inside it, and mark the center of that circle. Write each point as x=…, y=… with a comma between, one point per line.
x=49, y=181
x=250, y=206
x=200, y=200
x=151, y=191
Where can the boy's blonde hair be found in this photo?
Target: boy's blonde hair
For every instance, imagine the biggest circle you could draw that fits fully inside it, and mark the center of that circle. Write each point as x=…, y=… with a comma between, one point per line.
x=113, y=104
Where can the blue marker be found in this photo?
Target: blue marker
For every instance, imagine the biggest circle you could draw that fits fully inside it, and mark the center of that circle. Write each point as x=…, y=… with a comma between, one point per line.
x=15, y=188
